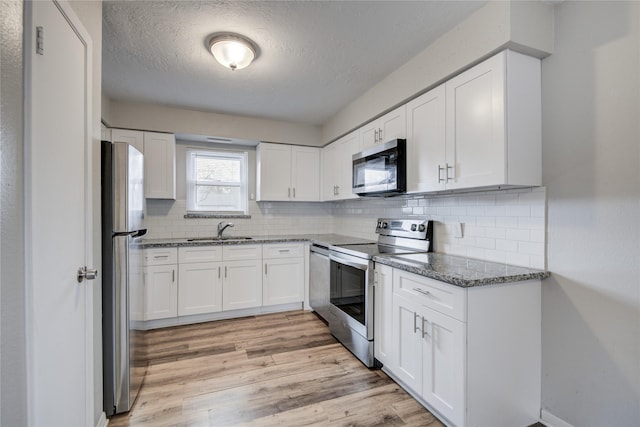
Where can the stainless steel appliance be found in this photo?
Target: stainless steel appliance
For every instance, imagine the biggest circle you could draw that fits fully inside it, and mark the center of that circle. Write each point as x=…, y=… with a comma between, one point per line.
x=124, y=361
x=381, y=170
x=319, y=267
x=351, y=280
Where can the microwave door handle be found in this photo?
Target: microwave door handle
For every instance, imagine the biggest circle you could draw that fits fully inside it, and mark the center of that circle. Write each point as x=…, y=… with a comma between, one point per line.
x=349, y=263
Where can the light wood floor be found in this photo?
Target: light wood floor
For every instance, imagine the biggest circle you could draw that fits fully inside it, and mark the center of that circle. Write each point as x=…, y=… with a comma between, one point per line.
x=281, y=369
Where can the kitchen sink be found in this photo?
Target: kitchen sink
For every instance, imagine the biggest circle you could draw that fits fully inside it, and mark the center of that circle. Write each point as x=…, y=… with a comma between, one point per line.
x=218, y=239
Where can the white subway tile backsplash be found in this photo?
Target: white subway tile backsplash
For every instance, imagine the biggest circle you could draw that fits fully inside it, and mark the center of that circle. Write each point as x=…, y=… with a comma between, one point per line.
x=502, y=226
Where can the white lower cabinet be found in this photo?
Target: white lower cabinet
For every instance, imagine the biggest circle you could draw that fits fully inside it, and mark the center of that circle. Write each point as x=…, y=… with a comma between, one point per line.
x=242, y=284
x=200, y=280
x=160, y=284
x=383, y=347
x=472, y=355
x=283, y=274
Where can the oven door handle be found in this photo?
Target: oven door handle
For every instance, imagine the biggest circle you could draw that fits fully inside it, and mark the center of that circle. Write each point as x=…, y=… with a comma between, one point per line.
x=339, y=260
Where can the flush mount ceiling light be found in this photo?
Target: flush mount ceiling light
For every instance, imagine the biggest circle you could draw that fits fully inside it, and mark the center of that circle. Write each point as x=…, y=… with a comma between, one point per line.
x=232, y=50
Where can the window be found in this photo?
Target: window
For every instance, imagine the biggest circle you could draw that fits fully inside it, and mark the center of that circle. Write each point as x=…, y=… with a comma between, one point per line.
x=216, y=181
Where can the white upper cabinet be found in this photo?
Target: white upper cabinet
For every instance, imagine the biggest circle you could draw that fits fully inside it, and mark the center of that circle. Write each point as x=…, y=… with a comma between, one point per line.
x=494, y=124
x=482, y=128
x=426, y=142
x=337, y=167
x=288, y=173
x=132, y=137
x=159, y=165
x=159, y=151
x=390, y=126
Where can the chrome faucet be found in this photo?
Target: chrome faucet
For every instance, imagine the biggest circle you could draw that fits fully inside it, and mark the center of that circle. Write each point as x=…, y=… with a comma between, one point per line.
x=223, y=226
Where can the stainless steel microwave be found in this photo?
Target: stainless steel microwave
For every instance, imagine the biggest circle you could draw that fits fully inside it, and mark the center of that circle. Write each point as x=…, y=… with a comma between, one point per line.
x=381, y=170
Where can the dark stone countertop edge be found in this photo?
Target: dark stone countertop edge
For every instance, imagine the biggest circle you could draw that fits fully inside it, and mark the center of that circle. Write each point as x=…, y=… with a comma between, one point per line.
x=322, y=239
x=424, y=270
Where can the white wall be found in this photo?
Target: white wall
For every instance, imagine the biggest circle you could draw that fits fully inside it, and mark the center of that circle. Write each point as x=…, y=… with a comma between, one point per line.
x=524, y=26
x=591, y=168
x=13, y=371
x=160, y=118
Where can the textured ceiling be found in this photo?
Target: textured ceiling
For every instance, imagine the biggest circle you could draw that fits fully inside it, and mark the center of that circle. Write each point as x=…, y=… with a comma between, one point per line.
x=315, y=56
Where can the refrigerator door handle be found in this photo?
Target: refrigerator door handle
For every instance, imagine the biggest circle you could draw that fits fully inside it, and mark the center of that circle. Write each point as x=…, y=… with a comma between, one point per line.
x=135, y=233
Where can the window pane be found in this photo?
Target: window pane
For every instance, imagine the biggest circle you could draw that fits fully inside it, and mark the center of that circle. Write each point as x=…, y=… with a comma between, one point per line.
x=217, y=169
x=218, y=198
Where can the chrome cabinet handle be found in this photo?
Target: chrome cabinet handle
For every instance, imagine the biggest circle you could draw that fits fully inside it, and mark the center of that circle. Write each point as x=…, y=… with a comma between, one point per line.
x=424, y=329
x=415, y=325
x=337, y=190
x=265, y=269
x=160, y=256
x=440, y=169
x=173, y=276
x=379, y=134
x=225, y=271
x=447, y=174
x=423, y=292
x=85, y=273
x=219, y=268
x=375, y=136
x=294, y=192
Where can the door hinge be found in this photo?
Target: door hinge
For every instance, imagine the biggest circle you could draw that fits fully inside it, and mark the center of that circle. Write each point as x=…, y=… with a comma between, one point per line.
x=40, y=40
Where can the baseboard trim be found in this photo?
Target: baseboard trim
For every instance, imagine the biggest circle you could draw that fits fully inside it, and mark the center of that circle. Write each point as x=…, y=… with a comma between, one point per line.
x=103, y=421
x=550, y=420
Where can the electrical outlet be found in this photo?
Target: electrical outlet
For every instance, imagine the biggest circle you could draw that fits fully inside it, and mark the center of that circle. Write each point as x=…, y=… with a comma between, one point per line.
x=459, y=230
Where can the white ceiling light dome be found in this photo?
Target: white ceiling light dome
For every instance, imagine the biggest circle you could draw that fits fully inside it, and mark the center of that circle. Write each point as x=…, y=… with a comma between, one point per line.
x=233, y=50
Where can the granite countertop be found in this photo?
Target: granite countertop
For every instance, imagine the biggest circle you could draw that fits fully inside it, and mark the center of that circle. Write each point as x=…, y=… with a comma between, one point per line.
x=460, y=271
x=322, y=239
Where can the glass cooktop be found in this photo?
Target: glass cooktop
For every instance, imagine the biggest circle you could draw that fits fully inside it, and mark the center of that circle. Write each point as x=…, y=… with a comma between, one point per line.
x=370, y=250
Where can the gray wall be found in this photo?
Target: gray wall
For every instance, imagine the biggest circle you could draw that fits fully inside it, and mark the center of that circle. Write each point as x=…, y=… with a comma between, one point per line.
x=591, y=164
x=13, y=376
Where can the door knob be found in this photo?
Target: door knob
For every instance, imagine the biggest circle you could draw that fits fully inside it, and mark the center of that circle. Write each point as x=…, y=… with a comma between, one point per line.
x=85, y=273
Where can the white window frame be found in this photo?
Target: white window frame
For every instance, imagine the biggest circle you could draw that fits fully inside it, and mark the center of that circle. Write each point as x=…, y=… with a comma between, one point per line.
x=191, y=155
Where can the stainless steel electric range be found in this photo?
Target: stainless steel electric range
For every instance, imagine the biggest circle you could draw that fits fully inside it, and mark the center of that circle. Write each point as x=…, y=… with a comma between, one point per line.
x=352, y=280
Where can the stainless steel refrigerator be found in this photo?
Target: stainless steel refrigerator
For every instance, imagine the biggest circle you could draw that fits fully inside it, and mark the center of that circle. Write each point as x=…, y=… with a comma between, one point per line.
x=124, y=356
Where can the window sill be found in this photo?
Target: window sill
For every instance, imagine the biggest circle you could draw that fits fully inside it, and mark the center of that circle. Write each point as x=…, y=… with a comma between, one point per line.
x=194, y=215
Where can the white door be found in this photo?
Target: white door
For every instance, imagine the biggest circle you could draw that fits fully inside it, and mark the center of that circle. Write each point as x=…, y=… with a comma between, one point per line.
x=383, y=327
x=283, y=281
x=305, y=173
x=407, y=342
x=58, y=186
x=274, y=172
x=242, y=284
x=200, y=289
x=161, y=292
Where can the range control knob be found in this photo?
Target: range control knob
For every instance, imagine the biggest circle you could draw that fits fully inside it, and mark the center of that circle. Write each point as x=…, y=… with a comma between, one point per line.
x=384, y=225
x=421, y=228
x=379, y=224
x=413, y=227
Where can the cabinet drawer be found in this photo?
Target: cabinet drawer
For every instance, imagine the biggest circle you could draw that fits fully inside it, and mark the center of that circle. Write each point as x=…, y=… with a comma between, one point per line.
x=442, y=297
x=199, y=254
x=160, y=256
x=283, y=250
x=240, y=252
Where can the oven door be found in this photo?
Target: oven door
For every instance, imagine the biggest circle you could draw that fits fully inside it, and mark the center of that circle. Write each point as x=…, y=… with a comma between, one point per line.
x=351, y=292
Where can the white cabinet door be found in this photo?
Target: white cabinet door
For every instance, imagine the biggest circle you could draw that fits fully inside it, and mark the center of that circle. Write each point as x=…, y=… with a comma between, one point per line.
x=383, y=326
x=337, y=167
x=443, y=364
x=390, y=126
x=347, y=147
x=159, y=165
x=476, y=125
x=273, y=163
x=329, y=159
x=283, y=281
x=305, y=173
x=393, y=125
x=161, y=292
x=242, y=284
x=132, y=137
x=407, y=342
x=426, y=164
x=200, y=288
